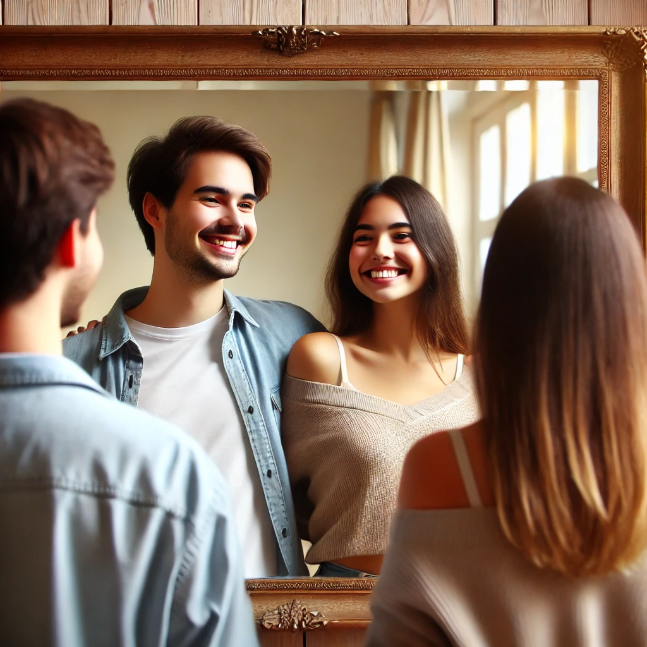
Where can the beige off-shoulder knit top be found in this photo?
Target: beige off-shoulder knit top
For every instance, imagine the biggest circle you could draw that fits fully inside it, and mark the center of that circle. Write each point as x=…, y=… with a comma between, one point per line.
x=345, y=450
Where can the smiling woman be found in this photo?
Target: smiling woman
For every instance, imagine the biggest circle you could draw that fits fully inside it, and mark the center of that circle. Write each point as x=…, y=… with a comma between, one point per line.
x=392, y=373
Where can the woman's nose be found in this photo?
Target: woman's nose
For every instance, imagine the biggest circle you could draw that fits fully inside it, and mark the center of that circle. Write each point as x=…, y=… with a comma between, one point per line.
x=383, y=248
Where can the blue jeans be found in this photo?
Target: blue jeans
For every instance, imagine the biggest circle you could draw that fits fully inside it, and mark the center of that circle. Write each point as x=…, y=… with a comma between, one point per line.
x=331, y=569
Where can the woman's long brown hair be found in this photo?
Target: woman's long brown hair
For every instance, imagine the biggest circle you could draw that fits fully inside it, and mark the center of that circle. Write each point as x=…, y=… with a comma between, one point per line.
x=440, y=322
x=561, y=348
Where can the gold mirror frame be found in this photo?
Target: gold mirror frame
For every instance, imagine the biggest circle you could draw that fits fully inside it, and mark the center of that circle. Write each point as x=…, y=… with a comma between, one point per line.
x=617, y=58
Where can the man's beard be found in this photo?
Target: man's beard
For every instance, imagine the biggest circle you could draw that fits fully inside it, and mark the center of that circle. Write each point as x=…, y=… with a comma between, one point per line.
x=75, y=295
x=193, y=265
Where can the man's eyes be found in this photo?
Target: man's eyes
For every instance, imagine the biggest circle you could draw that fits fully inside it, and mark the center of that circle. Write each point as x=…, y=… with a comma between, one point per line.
x=212, y=200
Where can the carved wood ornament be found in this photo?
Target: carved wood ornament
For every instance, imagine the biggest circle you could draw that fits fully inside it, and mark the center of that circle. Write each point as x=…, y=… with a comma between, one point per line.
x=290, y=40
x=621, y=52
x=292, y=616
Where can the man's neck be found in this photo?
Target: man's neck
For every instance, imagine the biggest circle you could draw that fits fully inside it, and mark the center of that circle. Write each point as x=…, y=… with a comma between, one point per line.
x=31, y=326
x=172, y=302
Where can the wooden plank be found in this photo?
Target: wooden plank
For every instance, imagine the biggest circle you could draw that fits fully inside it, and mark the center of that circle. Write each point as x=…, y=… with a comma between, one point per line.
x=56, y=12
x=280, y=638
x=154, y=12
x=356, y=12
x=336, y=638
x=628, y=13
x=543, y=12
x=250, y=12
x=451, y=12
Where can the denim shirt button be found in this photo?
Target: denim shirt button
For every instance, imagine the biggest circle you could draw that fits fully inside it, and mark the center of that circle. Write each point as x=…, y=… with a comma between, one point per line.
x=130, y=382
x=231, y=354
x=250, y=409
x=269, y=474
x=284, y=532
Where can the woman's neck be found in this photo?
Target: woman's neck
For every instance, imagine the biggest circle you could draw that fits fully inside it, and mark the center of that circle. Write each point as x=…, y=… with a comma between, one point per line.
x=393, y=330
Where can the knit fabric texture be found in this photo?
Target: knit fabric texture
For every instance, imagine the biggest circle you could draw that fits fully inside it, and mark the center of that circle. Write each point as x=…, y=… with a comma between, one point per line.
x=345, y=450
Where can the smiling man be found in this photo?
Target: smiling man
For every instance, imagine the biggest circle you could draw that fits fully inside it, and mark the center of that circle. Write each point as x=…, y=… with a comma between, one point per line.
x=191, y=352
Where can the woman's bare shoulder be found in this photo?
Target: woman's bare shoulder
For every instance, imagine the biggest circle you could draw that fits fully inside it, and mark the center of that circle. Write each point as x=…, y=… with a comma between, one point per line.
x=431, y=478
x=315, y=357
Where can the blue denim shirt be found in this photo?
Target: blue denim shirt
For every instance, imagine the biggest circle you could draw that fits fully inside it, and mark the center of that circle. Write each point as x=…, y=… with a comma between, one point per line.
x=115, y=527
x=254, y=350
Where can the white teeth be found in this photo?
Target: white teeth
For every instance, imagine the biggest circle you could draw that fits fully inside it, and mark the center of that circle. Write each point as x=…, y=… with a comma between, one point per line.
x=383, y=274
x=231, y=244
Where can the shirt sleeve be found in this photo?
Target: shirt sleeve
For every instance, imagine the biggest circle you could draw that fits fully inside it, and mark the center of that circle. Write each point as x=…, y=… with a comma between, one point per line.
x=211, y=606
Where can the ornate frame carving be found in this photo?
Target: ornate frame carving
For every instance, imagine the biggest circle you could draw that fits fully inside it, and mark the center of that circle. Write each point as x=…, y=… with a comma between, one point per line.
x=617, y=58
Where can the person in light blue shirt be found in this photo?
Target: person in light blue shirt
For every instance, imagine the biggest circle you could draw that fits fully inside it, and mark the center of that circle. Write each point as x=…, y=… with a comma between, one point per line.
x=194, y=193
x=115, y=527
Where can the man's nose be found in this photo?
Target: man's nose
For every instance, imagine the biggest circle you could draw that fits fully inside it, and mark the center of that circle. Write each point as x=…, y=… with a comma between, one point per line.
x=230, y=217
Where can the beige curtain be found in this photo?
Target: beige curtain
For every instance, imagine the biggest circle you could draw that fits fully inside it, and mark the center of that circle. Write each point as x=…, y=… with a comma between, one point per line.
x=383, y=145
x=426, y=151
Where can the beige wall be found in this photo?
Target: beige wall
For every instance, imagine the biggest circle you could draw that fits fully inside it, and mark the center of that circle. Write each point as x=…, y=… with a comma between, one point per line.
x=318, y=143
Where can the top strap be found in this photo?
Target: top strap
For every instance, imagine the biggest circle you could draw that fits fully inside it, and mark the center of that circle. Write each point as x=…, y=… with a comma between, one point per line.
x=342, y=367
x=465, y=467
x=460, y=362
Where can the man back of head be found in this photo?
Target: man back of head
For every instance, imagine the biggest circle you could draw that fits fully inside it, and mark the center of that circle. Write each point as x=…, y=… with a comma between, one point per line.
x=53, y=168
x=115, y=527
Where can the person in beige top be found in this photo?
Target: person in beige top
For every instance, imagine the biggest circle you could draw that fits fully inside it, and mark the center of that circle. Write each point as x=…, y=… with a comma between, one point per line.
x=393, y=372
x=530, y=527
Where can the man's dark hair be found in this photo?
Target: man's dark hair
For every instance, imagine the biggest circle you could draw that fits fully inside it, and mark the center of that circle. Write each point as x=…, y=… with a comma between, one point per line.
x=159, y=165
x=53, y=168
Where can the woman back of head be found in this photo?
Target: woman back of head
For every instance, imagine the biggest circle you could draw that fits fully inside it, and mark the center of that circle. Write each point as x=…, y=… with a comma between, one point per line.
x=562, y=378
x=440, y=323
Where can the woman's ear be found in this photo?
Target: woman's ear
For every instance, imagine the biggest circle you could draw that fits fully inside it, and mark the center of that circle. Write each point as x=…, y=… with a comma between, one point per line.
x=68, y=247
x=152, y=209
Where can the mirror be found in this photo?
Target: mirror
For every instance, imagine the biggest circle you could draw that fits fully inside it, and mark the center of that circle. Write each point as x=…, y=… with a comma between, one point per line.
x=485, y=77
x=474, y=144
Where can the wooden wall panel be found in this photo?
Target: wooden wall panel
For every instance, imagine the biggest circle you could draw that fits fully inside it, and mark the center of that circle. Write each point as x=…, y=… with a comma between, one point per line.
x=451, y=12
x=154, y=12
x=356, y=12
x=543, y=12
x=628, y=13
x=250, y=12
x=56, y=12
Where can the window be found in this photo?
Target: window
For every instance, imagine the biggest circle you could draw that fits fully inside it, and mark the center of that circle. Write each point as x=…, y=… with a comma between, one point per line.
x=542, y=129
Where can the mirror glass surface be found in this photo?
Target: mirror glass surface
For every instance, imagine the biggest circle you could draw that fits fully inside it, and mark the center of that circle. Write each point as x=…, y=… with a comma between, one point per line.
x=474, y=144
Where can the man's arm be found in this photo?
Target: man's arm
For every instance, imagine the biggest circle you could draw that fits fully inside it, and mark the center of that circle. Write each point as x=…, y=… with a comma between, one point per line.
x=211, y=606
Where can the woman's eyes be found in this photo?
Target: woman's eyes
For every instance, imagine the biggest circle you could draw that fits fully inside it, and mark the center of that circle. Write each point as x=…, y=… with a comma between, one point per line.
x=401, y=236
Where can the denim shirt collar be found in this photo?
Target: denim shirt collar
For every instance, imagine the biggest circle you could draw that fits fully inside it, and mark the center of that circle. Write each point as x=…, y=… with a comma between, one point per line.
x=32, y=370
x=116, y=333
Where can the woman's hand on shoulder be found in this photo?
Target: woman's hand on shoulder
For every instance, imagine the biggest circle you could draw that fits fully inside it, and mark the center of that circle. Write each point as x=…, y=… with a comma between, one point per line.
x=315, y=357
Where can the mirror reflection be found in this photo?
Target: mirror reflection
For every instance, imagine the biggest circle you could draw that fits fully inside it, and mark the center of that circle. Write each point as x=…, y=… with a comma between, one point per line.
x=473, y=145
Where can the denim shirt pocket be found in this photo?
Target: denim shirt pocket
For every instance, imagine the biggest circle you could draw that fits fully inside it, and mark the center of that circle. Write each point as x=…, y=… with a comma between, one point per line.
x=275, y=396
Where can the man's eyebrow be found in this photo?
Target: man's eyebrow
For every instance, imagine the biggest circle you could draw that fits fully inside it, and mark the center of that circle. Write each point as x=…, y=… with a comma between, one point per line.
x=220, y=191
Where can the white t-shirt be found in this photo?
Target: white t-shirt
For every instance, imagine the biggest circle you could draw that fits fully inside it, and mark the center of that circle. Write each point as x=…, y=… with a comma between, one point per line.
x=184, y=381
